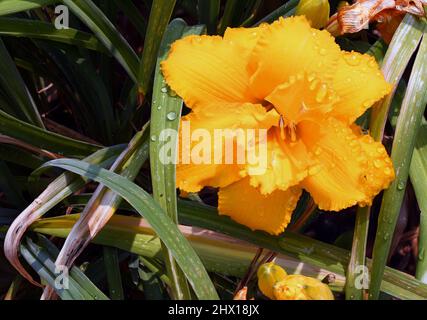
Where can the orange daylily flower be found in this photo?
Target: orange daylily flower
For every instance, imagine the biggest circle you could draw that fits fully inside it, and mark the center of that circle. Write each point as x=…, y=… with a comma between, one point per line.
x=296, y=82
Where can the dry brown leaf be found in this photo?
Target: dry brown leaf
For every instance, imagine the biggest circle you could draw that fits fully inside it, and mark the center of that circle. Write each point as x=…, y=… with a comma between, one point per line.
x=31, y=214
x=351, y=19
x=98, y=211
x=242, y=294
x=388, y=25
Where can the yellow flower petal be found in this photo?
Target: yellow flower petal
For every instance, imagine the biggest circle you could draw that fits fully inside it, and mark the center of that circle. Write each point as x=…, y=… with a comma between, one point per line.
x=351, y=169
x=231, y=116
x=298, y=287
x=246, y=38
x=192, y=177
x=286, y=164
x=288, y=47
x=204, y=69
x=303, y=97
x=246, y=205
x=359, y=83
x=268, y=275
x=282, y=291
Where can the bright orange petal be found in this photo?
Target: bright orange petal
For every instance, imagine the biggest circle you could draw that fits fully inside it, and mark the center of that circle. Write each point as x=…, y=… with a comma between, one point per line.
x=204, y=69
x=352, y=169
x=285, y=162
x=246, y=205
x=359, y=83
x=302, y=97
x=288, y=47
x=246, y=38
x=192, y=176
x=232, y=116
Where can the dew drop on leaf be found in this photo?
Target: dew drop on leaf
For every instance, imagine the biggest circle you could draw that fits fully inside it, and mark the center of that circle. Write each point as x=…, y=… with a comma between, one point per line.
x=171, y=116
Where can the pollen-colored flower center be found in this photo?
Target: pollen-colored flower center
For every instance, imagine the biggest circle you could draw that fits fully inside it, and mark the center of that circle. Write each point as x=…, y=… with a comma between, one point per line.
x=288, y=129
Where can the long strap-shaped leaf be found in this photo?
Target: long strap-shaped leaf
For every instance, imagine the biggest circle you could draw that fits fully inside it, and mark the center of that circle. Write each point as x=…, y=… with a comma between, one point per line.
x=418, y=174
x=165, y=115
x=134, y=15
x=96, y=20
x=407, y=129
x=404, y=44
x=231, y=255
x=230, y=10
x=103, y=204
x=285, y=10
x=361, y=227
x=44, y=139
x=160, y=14
x=16, y=90
x=402, y=47
x=58, y=190
x=184, y=254
x=40, y=257
x=15, y=6
x=208, y=12
x=28, y=28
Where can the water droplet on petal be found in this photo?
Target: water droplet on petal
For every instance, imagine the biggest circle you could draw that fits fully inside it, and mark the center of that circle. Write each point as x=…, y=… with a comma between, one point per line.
x=387, y=171
x=352, y=59
x=322, y=93
x=367, y=103
x=372, y=63
x=313, y=84
x=314, y=170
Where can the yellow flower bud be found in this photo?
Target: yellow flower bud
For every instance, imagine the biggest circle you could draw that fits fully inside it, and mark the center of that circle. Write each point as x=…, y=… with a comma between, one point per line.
x=289, y=291
x=316, y=11
x=268, y=275
x=342, y=4
x=297, y=287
